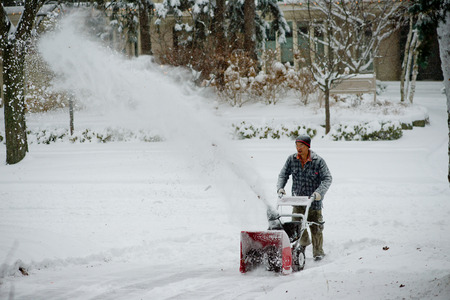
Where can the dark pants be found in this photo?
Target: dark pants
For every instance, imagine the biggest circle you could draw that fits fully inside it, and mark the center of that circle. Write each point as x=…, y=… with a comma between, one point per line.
x=316, y=231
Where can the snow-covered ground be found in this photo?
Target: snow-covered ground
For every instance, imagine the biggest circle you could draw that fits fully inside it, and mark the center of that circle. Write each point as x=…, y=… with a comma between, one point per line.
x=162, y=220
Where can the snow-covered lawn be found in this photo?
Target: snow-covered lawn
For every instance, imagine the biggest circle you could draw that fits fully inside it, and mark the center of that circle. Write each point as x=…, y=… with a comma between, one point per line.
x=162, y=220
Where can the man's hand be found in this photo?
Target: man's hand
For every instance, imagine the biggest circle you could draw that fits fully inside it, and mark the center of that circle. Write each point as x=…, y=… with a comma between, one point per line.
x=316, y=196
x=281, y=193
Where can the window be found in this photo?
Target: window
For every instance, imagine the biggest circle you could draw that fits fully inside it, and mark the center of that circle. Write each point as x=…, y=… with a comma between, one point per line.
x=271, y=42
x=303, y=38
x=319, y=38
x=286, y=48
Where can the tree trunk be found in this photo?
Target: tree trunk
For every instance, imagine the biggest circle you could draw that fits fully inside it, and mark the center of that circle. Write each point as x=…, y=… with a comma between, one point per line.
x=415, y=71
x=14, y=110
x=144, y=27
x=444, y=50
x=409, y=63
x=327, y=110
x=71, y=126
x=249, y=28
x=218, y=26
x=405, y=60
x=1, y=79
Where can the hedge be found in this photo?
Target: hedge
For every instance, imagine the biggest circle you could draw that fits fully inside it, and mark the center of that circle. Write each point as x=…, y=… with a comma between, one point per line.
x=369, y=131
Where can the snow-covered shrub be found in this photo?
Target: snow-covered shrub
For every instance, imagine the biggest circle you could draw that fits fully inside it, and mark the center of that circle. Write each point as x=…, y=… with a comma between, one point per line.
x=302, y=83
x=48, y=136
x=271, y=85
x=249, y=131
x=242, y=83
x=407, y=126
x=370, y=131
x=238, y=79
x=244, y=131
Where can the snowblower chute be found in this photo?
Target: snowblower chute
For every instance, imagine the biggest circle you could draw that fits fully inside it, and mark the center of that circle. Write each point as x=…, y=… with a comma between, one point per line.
x=278, y=248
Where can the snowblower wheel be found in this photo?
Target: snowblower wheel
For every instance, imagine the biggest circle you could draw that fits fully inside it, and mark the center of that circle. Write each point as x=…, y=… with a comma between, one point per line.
x=298, y=259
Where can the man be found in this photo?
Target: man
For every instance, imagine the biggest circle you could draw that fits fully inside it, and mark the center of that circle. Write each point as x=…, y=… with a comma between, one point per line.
x=310, y=177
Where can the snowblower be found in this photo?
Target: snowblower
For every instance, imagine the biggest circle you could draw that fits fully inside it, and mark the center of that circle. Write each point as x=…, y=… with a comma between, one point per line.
x=277, y=249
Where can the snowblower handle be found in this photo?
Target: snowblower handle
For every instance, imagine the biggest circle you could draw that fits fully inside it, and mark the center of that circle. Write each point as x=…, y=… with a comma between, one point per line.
x=294, y=201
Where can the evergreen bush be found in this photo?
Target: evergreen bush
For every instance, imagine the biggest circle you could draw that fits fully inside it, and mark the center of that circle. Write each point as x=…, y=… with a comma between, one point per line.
x=48, y=136
x=249, y=131
x=371, y=131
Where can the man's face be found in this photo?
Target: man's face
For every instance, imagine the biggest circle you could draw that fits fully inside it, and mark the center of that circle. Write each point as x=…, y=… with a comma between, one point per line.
x=302, y=149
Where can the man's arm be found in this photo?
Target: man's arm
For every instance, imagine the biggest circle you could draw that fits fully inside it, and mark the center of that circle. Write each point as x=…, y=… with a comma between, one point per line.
x=284, y=174
x=325, y=179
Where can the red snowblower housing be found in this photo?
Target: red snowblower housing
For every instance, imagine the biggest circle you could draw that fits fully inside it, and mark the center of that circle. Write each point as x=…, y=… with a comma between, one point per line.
x=266, y=247
x=278, y=248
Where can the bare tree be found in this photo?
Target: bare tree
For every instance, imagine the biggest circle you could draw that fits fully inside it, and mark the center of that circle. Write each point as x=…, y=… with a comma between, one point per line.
x=344, y=38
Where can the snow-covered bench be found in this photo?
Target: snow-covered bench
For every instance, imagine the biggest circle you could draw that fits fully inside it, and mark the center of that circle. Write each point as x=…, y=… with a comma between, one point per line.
x=359, y=84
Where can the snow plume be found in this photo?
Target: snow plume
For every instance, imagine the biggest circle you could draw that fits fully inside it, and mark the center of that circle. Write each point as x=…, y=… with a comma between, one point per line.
x=139, y=94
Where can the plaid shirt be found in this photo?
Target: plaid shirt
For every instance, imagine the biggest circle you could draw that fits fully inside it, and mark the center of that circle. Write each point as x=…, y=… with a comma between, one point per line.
x=313, y=177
